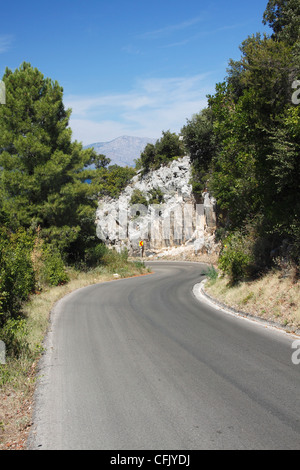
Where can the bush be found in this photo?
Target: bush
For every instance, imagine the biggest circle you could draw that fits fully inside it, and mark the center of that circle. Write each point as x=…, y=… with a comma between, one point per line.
x=116, y=262
x=139, y=264
x=212, y=274
x=138, y=197
x=53, y=271
x=17, y=279
x=95, y=255
x=165, y=150
x=236, y=259
x=156, y=196
x=14, y=334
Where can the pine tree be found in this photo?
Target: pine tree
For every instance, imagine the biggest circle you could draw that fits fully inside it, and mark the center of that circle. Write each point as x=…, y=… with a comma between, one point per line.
x=42, y=179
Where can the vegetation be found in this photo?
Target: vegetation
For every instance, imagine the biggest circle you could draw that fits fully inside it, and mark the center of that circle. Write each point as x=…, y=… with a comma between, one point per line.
x=156, y=196
x=16, y=272
x=200, y=143
x=212, y=274
x=161, y=153
x=24, y=336
x=272, y=297
x=108, y=180
x=49, y=190
x=245, y=148
x=42, y=183
x=138, y=197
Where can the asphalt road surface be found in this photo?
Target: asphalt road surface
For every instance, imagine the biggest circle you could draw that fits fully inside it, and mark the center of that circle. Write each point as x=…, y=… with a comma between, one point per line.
x=141, y=364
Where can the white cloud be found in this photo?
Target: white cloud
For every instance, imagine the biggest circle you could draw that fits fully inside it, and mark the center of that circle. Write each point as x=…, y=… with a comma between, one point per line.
x=169, y=29
x=202, y=34
x=5, y=43
x=152, y=106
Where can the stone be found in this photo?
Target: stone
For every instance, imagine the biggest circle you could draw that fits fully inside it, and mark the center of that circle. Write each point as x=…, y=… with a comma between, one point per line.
x=177, y=221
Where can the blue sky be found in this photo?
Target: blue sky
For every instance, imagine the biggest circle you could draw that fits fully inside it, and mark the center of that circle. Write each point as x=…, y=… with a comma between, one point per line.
x=128, y=68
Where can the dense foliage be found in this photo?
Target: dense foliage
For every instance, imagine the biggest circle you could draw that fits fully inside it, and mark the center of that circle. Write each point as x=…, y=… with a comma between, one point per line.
x=17, y=277
x=41, y=181
x=245, y=147
x=166, y=149
x=49, y=189
x=110, y=180
x=199, y=139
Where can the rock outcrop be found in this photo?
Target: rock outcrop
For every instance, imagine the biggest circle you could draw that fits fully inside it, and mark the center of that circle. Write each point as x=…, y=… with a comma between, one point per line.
x=177, y=220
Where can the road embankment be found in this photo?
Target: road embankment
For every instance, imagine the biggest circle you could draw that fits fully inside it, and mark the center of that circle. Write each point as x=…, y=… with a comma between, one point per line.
x=273, y=299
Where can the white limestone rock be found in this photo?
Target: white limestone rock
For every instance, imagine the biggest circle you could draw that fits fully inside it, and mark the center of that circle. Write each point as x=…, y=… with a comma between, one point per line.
x=172, y=223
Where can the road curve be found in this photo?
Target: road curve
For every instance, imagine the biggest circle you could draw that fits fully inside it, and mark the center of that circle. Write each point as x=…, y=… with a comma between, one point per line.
x=140, y=363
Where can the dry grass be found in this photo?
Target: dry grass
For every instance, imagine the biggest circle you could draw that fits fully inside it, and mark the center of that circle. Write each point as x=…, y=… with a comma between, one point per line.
x=273, y=298
x=16, y=409
x=18, y=375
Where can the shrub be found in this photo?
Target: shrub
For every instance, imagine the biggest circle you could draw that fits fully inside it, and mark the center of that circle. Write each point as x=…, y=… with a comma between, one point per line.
x=139, y=264
x=14, y=334
x=166, y=149
x=212, y=274
x=95, y=255
x=114, y=261
x=236, y=259
x=138, y=197
x=17, y=279
x=53, y=271
x=156, y=196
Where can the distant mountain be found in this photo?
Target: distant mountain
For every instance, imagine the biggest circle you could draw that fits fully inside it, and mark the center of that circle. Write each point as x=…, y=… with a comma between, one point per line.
x=123, y=150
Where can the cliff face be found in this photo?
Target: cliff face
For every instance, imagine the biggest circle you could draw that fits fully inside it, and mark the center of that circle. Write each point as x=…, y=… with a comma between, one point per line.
x=176, y=221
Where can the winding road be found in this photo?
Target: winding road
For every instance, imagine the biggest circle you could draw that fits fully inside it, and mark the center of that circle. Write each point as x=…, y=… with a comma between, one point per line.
x=141, y=363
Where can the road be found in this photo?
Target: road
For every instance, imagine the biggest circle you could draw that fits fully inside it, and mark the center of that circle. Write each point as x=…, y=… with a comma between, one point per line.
x=140, y=363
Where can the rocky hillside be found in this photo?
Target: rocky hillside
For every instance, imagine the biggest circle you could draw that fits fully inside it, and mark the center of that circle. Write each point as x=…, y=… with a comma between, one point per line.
x=159, y=210
x=123, y=150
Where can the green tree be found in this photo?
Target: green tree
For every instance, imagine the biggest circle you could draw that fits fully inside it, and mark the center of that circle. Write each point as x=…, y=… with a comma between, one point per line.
x=248, y=112
x=254, y=172
x=147, y=159
x=100, y=161
x=109, y=181
x=266, y=67
x=42, y=180
x=200, y=143
x=169, y=145
x=232, y=171
x=162, y=152
x=283, y=16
